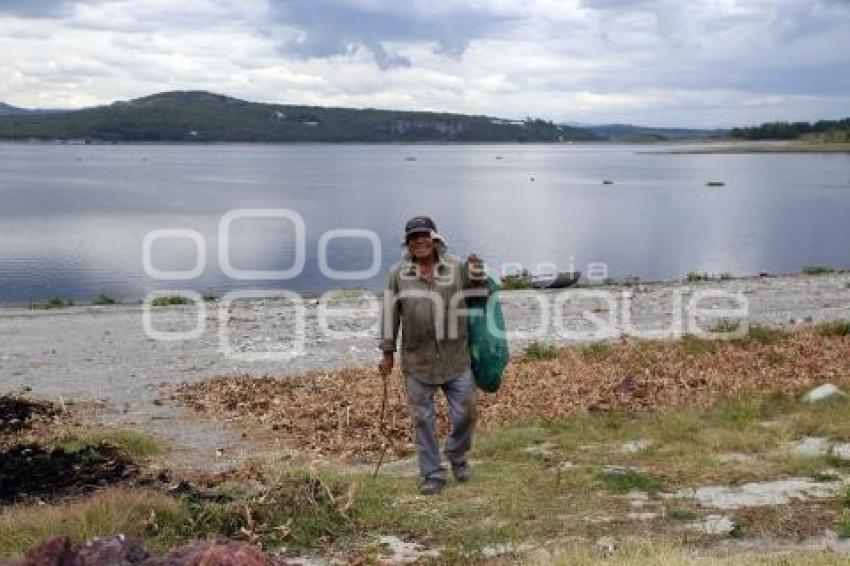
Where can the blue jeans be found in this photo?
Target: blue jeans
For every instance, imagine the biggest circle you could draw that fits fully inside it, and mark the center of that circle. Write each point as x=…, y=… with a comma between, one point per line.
x=460, y=395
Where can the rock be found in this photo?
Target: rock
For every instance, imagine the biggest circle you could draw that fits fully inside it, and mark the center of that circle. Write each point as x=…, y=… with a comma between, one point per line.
x=616, y=469
x=778, y=492
x=825, y=391
x=219, y=553
x=400, y=551
x=637, y=499
x=606, y=544
x=810, y=446
x=124, y=551
x=841, y=451
x=714, y=525
x=491, y=552
x=735, y=458
x=117, y=549
x=543, y=450
x=52, y=552
x=641, y=516
x=635, y=446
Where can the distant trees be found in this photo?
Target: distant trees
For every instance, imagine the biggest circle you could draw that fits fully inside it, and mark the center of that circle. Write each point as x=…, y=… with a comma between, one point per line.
x=790, y=130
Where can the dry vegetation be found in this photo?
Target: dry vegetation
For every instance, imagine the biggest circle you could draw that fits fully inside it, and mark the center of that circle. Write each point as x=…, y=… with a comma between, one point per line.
x=338, y=413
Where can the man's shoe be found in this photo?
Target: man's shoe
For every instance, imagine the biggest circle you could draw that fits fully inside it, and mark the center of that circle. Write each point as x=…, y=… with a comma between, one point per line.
x=431, y=486
x=462, y=473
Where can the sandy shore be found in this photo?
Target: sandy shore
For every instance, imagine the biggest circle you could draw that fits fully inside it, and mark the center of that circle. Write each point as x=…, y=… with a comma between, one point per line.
x=104, y=354
x=758, y=147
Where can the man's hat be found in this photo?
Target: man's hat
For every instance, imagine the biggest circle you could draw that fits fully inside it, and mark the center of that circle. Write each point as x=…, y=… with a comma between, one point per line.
x=419, y=225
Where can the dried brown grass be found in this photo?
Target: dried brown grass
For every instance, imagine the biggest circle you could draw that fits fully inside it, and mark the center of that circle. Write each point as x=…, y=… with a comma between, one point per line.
x=338, y=413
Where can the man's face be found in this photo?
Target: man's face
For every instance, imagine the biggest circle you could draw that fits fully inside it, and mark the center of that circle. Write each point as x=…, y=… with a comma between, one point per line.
x=420, y=245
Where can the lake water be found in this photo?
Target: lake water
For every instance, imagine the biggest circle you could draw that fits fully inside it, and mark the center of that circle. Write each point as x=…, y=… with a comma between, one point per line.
x=74, y=218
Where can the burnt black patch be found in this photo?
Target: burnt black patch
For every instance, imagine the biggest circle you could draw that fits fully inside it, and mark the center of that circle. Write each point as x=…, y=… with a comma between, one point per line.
x=30, y=472
x=17, y=414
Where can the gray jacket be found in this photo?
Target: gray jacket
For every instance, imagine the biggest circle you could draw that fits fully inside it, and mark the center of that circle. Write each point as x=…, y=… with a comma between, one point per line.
x=434, y=334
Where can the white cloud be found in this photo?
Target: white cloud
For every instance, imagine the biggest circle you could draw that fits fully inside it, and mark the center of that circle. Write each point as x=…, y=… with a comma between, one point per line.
x=701, y=63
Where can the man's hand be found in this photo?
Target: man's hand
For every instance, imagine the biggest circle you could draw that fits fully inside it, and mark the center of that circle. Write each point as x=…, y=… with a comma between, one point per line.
x=385, y=366
x=476, y=270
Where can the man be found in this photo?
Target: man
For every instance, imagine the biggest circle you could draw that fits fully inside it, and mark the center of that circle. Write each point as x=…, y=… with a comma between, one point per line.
x=424, y=296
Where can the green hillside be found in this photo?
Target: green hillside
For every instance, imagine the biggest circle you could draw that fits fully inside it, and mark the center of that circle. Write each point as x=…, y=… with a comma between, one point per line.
x=207, y=117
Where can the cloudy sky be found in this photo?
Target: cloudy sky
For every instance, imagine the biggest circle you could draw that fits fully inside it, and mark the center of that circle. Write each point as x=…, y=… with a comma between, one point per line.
x=657, y=62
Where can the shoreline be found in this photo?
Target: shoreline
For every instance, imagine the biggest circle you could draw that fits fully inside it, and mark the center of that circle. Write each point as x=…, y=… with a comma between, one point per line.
x=38, y=304
x=754, y=147
x=681, y=147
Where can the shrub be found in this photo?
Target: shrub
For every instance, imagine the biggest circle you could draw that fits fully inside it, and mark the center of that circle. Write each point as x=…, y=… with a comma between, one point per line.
x=817, y=270
x=627, y=480
x=597, y=350
x=538, y=351
x=54, y=303
x=521, y=280
x=171, y=300
x=836, y=328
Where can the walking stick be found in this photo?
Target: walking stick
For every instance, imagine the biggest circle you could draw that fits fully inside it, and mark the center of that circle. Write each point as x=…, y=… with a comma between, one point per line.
x=383, y=426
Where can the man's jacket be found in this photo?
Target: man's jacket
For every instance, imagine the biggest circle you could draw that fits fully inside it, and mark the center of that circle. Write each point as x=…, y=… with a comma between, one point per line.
x=432, y=317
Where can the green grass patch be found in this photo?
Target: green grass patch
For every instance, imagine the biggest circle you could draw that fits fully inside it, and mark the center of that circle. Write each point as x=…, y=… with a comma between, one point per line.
x=508, y=501
x=825, y=477
x=695, y=345
x=835, y=328
x=511, y=441
x=774, y=358
x=514, y=281
x=829, y=418
x=700, y=276
x=678, y=514
x=843, y=528
x=726, y=326
x=597, y=351
x=625, y=281
x=756, y=334
x=104, y=514
x=762, y=334
x=626, y=480
x=298, y=510
x=540, y=351
x=54, y=303
x=169, y=300
x=817, y=270
x=133, y=443
x=640, y=551
x=835, y=461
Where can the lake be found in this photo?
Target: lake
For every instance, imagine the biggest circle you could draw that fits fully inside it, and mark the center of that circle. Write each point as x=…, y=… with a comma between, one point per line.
x=74, y=217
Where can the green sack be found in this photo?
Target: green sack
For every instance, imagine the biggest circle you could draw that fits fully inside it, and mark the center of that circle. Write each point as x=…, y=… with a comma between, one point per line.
x=489, y=352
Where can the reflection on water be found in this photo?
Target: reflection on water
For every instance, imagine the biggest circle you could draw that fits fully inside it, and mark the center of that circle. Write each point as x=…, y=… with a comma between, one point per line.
x=74, y=217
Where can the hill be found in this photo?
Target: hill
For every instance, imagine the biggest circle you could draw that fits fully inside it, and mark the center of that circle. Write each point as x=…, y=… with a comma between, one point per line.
x=7, y=110
x=197, y=116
